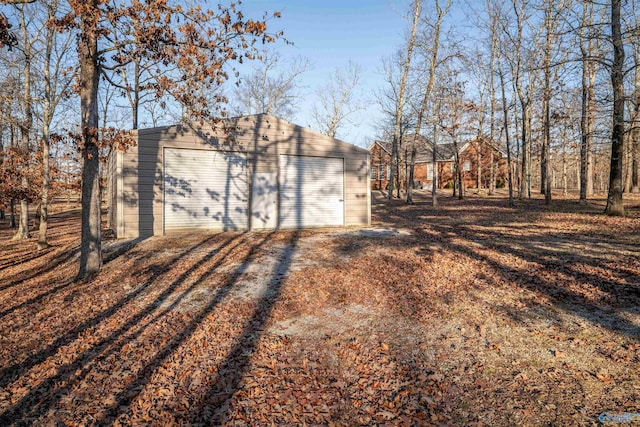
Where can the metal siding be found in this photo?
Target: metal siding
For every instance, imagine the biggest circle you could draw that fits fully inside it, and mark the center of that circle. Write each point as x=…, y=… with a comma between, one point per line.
x=264, y=200
x=204, y=189
x=311, y=191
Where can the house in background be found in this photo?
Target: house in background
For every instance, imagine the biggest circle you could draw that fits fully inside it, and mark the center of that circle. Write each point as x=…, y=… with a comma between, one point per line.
x=380, y=158
x=250, y=172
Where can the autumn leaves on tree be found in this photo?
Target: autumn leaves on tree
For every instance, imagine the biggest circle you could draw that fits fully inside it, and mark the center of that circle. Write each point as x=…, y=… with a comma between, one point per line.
x=192, y=48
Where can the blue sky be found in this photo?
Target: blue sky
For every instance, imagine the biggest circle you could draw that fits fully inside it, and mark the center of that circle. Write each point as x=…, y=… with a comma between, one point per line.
x=331, y=33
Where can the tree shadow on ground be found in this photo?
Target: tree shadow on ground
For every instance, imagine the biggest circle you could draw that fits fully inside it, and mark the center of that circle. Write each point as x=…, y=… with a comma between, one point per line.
x=153, y=316
x=27, y=406
x=236, y=364
x=483, y=230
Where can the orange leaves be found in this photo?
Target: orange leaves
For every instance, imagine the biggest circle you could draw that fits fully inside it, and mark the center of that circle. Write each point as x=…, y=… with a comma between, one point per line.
x=604, y=377
x=7, y=38
x=188, y=44
x=255, y=27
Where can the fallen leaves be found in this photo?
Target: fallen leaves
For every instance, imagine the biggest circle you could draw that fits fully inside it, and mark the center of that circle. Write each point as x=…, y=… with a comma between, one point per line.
x=472, y=318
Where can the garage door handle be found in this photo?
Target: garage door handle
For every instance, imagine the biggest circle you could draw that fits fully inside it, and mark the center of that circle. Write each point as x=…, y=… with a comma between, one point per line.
x=341, y=200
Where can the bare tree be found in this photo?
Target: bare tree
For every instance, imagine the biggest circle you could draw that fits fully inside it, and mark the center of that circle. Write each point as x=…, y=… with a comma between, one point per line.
x=519, y=62
x=453, y=121
x=635, y=116
x=26, y=47
x=57, y=80
x=546, y=101
x=587, y=51
x=614, y=198
x=273, y=87
x=505, y=115
x=436, y=104
x=401, y=95
x=336, y=100
x=493, y=53
x=433, y=62
x=388, y=100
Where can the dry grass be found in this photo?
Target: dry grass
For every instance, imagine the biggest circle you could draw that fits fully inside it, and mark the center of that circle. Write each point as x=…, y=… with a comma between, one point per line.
x=470, y=313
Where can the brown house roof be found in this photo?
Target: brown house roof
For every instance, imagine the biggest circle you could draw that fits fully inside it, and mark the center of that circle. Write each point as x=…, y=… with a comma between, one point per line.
x=386, y=146
x=444, y=152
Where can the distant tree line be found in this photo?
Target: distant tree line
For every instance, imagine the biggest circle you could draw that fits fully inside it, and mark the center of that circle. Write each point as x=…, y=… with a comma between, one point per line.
x=553, y=84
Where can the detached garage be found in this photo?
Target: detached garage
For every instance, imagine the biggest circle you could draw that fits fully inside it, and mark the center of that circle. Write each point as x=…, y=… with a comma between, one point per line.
x=252, y=172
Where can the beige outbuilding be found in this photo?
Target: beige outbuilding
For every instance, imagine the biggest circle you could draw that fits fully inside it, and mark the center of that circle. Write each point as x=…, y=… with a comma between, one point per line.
x=250, y=172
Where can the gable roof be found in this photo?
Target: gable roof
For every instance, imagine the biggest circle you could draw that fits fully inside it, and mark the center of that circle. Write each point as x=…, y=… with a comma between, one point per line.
x=386, y=146
x=444, y=153
x=261, y=121
x=249, y=128
x=424, y=154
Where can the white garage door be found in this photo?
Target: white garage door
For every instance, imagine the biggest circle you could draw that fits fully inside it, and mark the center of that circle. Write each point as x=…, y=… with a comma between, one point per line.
x=204, y=189
x=311, y=191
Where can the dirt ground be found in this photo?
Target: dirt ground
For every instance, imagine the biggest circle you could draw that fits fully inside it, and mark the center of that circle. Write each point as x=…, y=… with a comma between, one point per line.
x=471, y=313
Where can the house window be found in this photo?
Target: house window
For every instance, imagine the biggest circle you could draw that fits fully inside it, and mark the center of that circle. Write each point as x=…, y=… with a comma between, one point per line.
x=389, y=172
x=430, y=171
x=466, y=166
x=373, y=172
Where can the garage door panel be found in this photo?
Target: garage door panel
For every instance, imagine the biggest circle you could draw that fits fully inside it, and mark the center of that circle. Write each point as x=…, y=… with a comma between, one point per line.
x=311, y=191
x=204, y=189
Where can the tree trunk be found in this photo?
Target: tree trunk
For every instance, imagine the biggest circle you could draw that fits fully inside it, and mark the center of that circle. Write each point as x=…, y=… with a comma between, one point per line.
x=508, y=142
x=410, y=175
x=591, y=120
x=614, y=198
x=546, y=101
x=12, y=206
x=433, y=62
x=434, y=177
x=46, y=183
x=525, y=103
x=135, y=105
x=90, y=246
x=46, y=137
x=460, y=182
x=635, y=131
x=586, y=119
x=457, y=174
x=479, y=168
x=492, y=98
x=525, y=153
x=12, y=202
x=635, y=172
x=398, y=169
x=564, y=162
x=628, y=163
x=585, y=132
x=400, y=106
x=479, y=145
x=492, y=173
x=25, y=132
x=23, y=220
